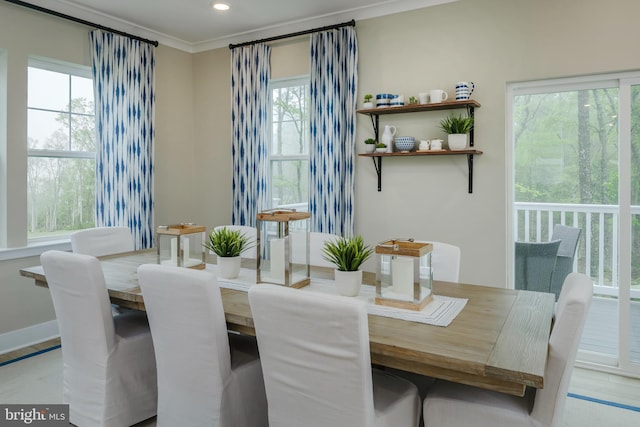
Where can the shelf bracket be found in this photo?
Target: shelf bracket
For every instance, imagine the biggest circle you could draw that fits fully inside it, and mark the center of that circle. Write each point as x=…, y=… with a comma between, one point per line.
x=470, y=112
x=377, y=163
x=375, y=122
x=470, y=164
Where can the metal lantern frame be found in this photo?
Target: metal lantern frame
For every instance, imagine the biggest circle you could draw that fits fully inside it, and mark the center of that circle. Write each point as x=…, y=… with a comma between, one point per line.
x=286, y=269
x=175, y=237
x=402, y=260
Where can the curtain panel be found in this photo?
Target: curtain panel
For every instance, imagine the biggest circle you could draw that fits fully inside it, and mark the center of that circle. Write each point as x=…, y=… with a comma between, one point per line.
x=334, y=81
x=250, y=73
x=123, y=75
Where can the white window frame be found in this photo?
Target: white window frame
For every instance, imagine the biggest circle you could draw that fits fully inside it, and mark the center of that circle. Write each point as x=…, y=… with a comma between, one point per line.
x=619, y=364
x=64, y=68
x=3, y=148
x=275, y=84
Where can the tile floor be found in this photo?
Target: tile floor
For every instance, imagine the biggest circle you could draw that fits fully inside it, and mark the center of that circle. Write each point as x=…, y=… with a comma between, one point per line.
x=38, y=379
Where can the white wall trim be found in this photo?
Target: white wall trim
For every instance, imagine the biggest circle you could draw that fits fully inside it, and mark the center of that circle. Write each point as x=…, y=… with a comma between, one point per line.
x=30, y=335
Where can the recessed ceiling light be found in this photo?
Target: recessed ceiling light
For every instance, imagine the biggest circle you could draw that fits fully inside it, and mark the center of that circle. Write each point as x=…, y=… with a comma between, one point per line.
x=221, y=6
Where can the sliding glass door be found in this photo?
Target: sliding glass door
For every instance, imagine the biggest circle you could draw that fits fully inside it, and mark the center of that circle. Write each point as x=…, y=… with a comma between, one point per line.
x=574, y=161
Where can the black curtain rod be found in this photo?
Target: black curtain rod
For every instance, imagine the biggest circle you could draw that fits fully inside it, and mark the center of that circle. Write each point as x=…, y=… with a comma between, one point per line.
x=80, y=21
x=351, y=23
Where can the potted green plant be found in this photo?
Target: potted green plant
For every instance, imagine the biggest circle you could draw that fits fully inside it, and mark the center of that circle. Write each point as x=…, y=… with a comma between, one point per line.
x=367, y=101
x=369, y=145
x=347, y=254
x=381, y=147
x=457, y=127
x=228, y=244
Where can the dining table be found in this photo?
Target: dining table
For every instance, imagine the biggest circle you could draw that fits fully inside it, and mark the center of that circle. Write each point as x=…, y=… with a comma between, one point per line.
x=498, y=341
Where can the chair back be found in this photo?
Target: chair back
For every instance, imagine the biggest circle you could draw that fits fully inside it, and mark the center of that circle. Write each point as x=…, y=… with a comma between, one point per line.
x=445, y=262
x=569, y=238
x=315, y=356
x=250, y=232
x=316, y=244
x=570, y=316
x=101, y=241
x=534, y=265
x=83, y=310
x=190, y=341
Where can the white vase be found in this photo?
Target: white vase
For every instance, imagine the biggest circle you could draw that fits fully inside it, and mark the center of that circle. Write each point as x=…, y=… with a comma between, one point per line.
x=457, y=141
x=348, y=282
x=229, y=267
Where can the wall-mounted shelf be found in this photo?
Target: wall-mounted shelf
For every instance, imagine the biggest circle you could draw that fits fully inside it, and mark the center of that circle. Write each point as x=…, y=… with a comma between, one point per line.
x=377, y=160
x=375, y=113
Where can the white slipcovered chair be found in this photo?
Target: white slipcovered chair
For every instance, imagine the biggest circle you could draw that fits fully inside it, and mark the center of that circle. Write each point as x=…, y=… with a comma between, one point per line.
x=250, y=232
x=205, y=377
x=316, y=243
x=445, y=262
x=315, y=355
x=101, y=241
x=109, y=368
x=449, y=404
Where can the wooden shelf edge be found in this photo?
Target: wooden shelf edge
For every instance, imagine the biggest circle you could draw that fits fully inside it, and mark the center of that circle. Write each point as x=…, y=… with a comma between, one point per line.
x=420, y=107
x=421, y=153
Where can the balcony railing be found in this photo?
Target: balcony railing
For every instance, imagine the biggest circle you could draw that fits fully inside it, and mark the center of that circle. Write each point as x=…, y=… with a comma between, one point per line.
x=597, y=253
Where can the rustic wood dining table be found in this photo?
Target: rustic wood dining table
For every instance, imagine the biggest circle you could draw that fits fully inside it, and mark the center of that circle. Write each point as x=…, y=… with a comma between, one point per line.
x=499, y=341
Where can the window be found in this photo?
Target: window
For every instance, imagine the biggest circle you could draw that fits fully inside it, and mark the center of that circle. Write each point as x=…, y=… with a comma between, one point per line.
x=575, y=147
x=61, y=149
x=289, y=145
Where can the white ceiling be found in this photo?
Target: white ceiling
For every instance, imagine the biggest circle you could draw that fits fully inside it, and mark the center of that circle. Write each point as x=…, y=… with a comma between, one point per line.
x=193, y=25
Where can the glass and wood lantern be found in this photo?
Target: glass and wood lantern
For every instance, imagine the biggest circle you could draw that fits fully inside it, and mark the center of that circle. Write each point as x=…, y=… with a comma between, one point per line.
x=283, y=248
x=403, y=274
x=181, y=245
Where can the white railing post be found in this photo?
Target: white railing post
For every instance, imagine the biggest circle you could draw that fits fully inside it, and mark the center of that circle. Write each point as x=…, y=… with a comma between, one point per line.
x=589, y=242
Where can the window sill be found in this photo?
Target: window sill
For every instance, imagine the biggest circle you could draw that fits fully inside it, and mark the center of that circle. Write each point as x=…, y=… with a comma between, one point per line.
x=34, y=249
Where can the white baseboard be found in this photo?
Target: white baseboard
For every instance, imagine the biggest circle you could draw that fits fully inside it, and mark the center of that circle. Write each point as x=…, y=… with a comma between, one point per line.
x=31, y=335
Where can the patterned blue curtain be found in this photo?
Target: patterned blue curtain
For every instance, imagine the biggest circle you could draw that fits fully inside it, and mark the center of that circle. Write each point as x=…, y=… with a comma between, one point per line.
x=123, y=76
x=250, y=73
x=334, y=81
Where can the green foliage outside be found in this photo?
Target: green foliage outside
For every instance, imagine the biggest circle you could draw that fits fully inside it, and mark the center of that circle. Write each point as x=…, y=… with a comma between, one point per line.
x=290, y=145
x=61, y=191
x=566, y=151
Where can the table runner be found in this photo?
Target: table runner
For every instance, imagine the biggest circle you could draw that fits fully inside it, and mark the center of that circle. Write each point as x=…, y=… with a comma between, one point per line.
x=439, y=312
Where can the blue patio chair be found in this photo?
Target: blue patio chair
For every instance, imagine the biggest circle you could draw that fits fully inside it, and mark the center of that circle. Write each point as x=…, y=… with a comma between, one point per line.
x=569, y=238
x=535, y=263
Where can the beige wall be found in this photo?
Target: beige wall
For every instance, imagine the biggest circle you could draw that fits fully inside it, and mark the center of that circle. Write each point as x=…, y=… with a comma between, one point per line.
x=24, y=33
x=491, y=42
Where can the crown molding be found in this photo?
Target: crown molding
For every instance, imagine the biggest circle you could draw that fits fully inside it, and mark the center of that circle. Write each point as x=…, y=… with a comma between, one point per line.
x=373, y=11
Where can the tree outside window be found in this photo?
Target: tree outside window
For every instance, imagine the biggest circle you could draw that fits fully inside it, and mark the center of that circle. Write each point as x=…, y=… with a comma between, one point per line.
x=289, y=145
x=61, y=149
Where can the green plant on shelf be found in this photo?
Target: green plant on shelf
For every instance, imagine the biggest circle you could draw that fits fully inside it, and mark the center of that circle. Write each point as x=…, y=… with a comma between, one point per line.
x=456, y=124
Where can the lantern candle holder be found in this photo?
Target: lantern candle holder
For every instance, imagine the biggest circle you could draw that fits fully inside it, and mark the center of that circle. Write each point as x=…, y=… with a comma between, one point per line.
x=403, y=274
x=181, y=245
x=283, y=248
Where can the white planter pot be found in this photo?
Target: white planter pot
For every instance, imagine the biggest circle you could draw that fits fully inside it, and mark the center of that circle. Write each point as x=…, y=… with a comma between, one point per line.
x=229, y=267
x=369, y=148
x=457, y=141
x=367, y=105
x=348, y=282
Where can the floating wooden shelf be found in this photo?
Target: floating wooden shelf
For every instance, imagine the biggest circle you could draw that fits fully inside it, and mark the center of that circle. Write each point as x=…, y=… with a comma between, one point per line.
x=414, y=108
x=375, y=113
